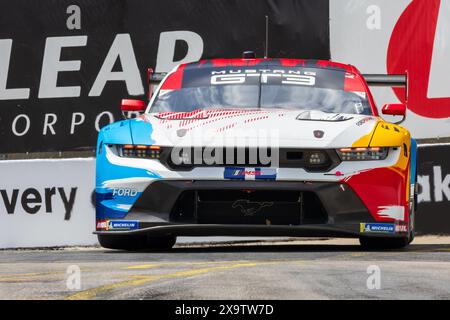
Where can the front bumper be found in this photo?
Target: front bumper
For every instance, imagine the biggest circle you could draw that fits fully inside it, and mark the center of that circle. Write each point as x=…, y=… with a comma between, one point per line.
x=249, y=208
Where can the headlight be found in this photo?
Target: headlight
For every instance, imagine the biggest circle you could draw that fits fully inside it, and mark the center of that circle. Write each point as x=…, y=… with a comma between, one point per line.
x=139, y=151
x=317, y=158
x=362, y=154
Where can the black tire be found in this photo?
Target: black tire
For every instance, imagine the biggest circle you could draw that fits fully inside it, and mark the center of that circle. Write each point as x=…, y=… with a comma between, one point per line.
x=412, y=222
x=136, y=242
x=384, y=243
x=412, y=213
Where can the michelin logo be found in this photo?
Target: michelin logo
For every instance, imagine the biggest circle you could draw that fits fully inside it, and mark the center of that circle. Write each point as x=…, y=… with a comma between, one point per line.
x=122, y=225
x=377, y=227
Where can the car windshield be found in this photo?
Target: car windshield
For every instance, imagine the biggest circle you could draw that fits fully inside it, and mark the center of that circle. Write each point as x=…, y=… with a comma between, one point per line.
x=305, y=89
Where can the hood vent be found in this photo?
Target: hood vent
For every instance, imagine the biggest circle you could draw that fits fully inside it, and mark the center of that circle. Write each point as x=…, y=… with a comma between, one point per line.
x=322, y=116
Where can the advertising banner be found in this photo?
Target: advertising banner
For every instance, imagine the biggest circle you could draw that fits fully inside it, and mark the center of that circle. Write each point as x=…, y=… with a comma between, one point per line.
x=46, y=203
x=433, y=215
x=400, y=37
x=65, y=65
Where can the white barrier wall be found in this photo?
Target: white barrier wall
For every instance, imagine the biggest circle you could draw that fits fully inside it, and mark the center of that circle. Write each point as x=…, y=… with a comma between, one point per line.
x=47, y=203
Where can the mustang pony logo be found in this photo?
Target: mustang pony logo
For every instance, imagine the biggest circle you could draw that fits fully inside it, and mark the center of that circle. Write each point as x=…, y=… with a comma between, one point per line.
x=249, y=208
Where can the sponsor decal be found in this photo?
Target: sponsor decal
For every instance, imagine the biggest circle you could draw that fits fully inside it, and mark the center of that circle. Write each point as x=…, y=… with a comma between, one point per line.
x=363, y=121
x=377, y=228
x=265, y=76
x=122, y=225
x=102, y=225
x=401, y=228
x=250, y=173
x=124, y=192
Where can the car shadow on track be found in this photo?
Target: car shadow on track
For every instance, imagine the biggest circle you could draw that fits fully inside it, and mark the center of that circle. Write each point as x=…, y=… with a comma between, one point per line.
x=273, y=248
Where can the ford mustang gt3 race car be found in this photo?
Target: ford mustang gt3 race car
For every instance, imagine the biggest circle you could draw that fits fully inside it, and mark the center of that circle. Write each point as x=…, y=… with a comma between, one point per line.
x=257, y=147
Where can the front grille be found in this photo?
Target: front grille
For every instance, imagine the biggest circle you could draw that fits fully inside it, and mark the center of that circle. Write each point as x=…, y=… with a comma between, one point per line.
x=246, y=206
x=185, y=159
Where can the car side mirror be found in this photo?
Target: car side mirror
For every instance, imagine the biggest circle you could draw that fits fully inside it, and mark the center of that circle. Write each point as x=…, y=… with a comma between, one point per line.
x=132, y=105
x=395, y=109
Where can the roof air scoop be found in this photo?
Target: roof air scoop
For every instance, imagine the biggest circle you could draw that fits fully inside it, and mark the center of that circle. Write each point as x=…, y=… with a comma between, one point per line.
x=248, y=55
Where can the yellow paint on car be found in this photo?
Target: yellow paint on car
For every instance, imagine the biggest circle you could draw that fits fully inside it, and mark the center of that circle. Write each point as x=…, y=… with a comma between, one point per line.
x=389, y=135
x=363, y=142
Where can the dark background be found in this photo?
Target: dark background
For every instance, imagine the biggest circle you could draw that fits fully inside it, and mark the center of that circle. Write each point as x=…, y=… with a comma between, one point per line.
x=433, y=217
x=298, y=28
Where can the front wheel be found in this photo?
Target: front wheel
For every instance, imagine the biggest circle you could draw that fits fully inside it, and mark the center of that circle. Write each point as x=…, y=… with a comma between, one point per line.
x=136, y=242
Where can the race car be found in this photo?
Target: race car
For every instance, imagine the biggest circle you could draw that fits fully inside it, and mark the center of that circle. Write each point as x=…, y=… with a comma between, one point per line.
x=257, y=147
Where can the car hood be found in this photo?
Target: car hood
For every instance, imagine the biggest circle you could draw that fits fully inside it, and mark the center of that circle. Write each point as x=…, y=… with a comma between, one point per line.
x=271, y=127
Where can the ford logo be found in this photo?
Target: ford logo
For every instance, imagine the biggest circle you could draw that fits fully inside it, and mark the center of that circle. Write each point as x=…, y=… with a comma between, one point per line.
x=318, y=134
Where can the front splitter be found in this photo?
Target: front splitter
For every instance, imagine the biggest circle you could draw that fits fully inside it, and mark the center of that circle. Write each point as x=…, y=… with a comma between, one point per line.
x=332, y=231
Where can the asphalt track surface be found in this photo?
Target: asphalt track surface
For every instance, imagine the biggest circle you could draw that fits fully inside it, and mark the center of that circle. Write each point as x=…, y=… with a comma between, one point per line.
x=300, y=269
